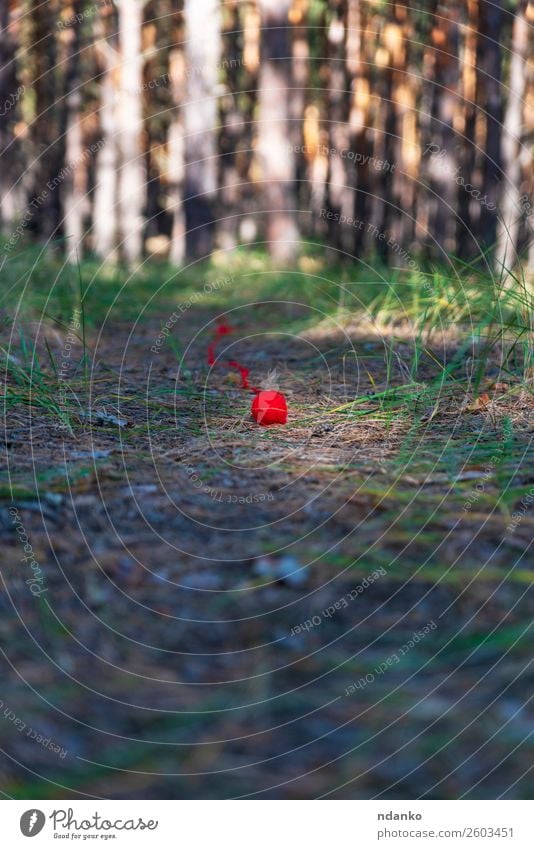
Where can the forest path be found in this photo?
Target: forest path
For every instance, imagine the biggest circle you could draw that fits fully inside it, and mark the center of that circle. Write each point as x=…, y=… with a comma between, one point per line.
x=231, y=610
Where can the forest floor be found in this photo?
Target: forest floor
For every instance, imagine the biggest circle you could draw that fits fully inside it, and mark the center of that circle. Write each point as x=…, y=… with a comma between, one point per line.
x=336, y=607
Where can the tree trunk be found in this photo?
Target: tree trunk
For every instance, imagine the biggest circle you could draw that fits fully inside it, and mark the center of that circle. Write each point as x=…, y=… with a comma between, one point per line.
x=176, y=157
x=526, y=150
x=489, y=100
x=105, y=224
x=11, y=91
x=132, y=174
x=340, y=170
x=300, y=73
x=467, y=246
x=384, y=130
x=277, y=161
x=232, y=126
x=76, y=169
x=202, y=23
x=511, y=211
x=360, y=94
x=47, y=144
x=440, y=158
x=398, y=171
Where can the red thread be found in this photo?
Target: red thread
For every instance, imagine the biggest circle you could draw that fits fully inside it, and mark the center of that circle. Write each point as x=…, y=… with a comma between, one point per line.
x=268, y=407
x=244, y=372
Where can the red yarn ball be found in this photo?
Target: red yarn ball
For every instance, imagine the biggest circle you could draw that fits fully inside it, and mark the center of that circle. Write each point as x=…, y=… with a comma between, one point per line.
x=269, y=407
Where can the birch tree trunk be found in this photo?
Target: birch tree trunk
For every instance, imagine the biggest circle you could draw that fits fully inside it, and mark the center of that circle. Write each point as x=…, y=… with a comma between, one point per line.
x=132, y=176
x=203, y=26
x=277, y=161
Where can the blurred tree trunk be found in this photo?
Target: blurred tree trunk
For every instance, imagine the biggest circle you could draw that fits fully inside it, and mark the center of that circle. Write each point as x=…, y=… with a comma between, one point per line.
x=105, y=212
x=360, y=101
x=511, y=211
x=441, y=158
x=203, y=48
x=232, y=126
x=384, y=129
x=466, y=239
x=246, y=160
x=340, y=196
x=10, y=95
x=300, y=72
x=277, y=161
x=526, y=149
x=132, y=174
x=300, y=67
x=489, y=101
x=176, y=156
x=399, y=171
x=76, y=180
x=46, y=140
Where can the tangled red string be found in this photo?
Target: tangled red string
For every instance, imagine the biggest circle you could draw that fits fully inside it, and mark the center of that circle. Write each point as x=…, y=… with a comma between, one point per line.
x=268, y=407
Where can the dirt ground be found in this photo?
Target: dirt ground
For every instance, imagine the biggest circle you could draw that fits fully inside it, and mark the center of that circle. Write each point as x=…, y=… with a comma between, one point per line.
x=336, y=607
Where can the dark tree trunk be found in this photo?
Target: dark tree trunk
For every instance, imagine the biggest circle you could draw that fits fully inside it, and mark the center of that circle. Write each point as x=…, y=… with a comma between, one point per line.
x=360, y=98
x=441, y=159
x=489, y=99
x=47, y=139
x=467, y=221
